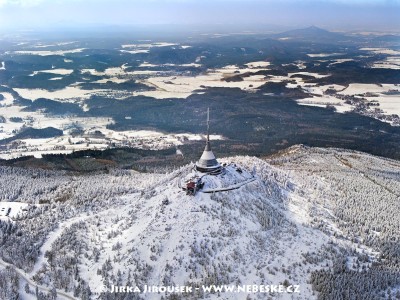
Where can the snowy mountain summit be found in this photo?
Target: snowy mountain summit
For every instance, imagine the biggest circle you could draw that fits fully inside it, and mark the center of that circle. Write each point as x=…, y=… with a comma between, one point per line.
x=231, y=232
x=229, y=177
x=306, y=223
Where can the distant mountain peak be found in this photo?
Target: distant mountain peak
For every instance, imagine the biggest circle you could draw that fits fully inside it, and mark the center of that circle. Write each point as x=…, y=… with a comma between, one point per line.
x=312, y=32
x=313, y=27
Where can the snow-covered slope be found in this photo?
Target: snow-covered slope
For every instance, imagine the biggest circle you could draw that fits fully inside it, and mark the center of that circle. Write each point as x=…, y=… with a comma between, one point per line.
x=240, y=237
x=323, y=220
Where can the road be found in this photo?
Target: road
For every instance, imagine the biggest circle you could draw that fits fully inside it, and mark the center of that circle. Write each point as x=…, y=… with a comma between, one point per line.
x=25, y=276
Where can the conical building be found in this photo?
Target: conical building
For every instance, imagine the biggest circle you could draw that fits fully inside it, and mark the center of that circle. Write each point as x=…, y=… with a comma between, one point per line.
x=207, y=162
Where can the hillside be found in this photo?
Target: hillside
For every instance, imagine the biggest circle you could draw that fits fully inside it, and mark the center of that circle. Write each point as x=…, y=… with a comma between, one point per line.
x=325, y=220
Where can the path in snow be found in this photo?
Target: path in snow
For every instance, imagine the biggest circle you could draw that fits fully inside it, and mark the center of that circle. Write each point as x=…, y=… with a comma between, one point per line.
x=50, y=240
x=229, y=188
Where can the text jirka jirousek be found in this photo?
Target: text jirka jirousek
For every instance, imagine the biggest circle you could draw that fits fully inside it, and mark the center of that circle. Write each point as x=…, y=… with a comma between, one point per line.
x=207, y=289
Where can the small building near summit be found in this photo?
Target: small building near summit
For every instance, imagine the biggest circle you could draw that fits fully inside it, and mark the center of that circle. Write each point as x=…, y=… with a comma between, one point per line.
x=208, y=176
x=208, y=163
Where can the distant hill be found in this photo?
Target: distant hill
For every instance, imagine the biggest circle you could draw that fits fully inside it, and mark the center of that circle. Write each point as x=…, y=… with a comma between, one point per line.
x=311, y=33
x=390, y=38
x=54, y=107
x=33, y=133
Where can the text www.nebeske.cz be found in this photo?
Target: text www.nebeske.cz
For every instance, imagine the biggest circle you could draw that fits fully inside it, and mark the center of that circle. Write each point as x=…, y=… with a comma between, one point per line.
x=207, y=289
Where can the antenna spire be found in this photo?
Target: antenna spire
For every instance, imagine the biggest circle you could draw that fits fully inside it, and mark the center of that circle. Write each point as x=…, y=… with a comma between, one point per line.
x=207, y=162
x=208, y=124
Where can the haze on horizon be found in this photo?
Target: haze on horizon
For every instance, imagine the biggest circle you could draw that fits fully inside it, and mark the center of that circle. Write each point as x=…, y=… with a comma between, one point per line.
x=370, y=15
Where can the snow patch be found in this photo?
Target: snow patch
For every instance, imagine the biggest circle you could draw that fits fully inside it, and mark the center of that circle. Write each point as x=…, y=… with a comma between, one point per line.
x=315, y=75
x=340, y=61
x=11, y=210
x=388, y=63
x=135, y=51
x=381, y=51
x=8, y=99
x=325, y=101
x=160, y=44
x=67, y=94
x=54, y=71
x=47, y=53
x=362, y=88
x=258, y=64
x=325, y=54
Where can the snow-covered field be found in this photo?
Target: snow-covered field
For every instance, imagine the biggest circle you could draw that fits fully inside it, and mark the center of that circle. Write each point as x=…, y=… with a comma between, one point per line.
x=381, y=51
x=258, y=64
x=392, y=61
x=40, y=120
x=390, y=104
x=54, y=71
x=361, y=88
x=184, y=86
x=8, y=99
x=387, y=95
x=10, y=210
x=47, y=52
x=323, y=101
x=313, y=55
x=149, y=45
x=315, y=75
x=166, y=86
x=388, y=63
x=68, y=94
x=140, y=48
x=41, y=45
x=142, y=139
x=90, y=125
x=340, y=61
x=121, y=72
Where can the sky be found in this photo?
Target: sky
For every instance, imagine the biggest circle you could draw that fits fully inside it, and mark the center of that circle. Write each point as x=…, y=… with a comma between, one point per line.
x=372, y=15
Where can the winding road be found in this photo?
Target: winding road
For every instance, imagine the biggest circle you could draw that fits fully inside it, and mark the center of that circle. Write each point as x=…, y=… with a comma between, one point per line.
x=25, y=276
